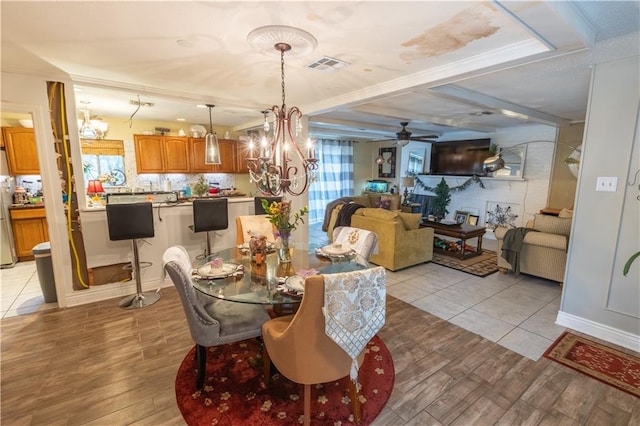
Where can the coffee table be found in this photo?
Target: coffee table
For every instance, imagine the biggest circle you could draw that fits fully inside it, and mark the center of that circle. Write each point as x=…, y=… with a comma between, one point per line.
x=463, y=232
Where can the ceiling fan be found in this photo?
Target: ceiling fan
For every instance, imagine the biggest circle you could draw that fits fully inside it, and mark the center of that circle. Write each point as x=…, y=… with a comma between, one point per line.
x=403, y=137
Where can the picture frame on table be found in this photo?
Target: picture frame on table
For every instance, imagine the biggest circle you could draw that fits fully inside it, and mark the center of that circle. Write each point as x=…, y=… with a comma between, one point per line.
x=473, y=220
x=461, y=217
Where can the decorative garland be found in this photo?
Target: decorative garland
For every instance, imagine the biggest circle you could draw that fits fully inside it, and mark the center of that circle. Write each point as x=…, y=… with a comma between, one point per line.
x=465, y=185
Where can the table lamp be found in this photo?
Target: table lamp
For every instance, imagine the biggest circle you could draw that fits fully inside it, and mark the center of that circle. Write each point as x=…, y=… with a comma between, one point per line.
x=408, y=181
x=94, y=188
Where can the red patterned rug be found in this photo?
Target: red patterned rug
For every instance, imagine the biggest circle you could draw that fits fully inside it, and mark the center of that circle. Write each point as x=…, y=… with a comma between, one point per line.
x=481, y=266
x=611, y=366
x=235, y=393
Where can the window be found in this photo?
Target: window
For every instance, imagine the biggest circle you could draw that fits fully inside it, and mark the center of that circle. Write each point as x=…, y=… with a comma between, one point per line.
x=103, y=160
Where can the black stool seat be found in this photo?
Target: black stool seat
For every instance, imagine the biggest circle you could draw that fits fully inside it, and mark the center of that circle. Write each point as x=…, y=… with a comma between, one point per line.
x=133, y=221
x=210, y=215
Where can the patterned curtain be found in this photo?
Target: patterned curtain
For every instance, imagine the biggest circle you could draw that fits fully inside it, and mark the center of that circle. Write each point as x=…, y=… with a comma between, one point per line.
x=335, y=176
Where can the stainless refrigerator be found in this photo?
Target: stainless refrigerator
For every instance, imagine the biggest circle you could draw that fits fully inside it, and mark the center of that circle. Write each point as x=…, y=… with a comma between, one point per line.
x=8, y=256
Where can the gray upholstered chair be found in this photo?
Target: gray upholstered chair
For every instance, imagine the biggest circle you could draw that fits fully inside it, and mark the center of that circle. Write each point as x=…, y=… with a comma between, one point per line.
x=211, y=321
x=361, y=241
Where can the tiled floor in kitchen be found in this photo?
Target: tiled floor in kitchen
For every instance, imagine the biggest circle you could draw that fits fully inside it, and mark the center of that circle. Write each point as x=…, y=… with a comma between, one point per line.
x=517, y=313
x=20, y=291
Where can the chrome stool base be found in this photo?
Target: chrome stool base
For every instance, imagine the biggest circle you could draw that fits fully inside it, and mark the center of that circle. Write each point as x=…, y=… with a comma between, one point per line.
x=139, y=300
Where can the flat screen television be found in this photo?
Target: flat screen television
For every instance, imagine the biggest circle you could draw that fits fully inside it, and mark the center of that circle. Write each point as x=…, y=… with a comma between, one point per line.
x=459, y=158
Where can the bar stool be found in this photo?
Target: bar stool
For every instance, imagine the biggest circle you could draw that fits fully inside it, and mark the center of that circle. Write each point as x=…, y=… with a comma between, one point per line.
x=210, y=215
x=257, y=202
x=133, y=221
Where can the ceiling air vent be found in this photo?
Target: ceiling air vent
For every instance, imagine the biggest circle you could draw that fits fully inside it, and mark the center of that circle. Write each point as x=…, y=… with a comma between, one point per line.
x=327, y=64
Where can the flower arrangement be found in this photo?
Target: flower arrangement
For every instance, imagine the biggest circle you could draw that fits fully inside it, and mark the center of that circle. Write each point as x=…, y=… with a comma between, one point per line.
x=279, y=213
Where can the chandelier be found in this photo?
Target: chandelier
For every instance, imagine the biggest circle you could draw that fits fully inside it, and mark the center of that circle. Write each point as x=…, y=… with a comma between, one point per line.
x=276, y=164
x=91, y=128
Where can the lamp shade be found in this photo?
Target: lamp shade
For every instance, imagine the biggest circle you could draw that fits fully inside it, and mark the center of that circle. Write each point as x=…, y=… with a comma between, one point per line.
x=212, y=149
x=94, y=187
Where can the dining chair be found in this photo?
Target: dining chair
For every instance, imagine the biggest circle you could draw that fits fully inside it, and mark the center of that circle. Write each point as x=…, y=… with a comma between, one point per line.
x=362, y=241
x=211, y=321
x=258, y=224
x=312, y=346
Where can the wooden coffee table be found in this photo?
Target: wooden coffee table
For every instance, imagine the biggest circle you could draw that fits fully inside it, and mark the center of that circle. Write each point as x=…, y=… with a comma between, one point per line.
x=462, y=232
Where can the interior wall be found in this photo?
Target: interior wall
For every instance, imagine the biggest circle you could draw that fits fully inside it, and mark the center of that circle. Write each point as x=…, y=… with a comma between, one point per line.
x=562, y=189
x=597, y=298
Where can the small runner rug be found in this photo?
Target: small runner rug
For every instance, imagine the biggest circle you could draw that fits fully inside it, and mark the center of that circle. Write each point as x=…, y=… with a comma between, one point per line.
x=235, y=394
x=481, y=266
x=611, y=366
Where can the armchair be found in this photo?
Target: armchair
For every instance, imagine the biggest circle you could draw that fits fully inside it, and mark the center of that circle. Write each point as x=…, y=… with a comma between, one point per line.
x=543, y=253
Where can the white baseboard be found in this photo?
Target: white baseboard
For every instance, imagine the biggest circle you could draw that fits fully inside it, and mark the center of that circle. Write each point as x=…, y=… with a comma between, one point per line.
x=601, y=331
x=111, y=291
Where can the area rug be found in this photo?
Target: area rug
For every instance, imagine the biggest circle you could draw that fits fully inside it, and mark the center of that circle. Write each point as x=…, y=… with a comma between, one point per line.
x=481, y=266
x=611, y=366
x=235, y=392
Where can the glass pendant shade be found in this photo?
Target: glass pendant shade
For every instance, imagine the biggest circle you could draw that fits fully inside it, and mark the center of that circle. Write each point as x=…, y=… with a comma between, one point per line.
x=212, y=149
x=211, y=146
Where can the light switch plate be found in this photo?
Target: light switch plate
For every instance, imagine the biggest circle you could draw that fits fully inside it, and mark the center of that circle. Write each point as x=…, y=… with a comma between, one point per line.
x=609, y=184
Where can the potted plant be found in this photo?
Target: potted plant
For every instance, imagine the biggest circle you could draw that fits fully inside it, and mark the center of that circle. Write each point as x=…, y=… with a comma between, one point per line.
x=441, y=200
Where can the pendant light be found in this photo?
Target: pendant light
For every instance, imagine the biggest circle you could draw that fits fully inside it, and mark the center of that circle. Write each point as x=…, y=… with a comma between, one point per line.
x=211, y=146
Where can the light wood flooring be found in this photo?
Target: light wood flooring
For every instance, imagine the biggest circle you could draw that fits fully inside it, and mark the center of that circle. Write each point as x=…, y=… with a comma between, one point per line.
x=100, y=365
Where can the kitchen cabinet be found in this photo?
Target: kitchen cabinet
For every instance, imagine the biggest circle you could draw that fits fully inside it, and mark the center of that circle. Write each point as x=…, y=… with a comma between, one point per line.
x=161, y=154
x=29, y=226
x=242, y=153
x=227, y=154
x=22, y=154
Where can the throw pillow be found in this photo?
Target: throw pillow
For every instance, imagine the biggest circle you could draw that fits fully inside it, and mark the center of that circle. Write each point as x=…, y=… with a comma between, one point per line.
x=552, y=224
x=363, y=201
x=394, y=201
x=383, y=204
x=565, y=213
x=410, y=220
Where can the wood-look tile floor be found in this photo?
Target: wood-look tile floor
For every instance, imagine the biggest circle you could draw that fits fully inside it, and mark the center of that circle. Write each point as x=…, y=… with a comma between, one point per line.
x=100, y=365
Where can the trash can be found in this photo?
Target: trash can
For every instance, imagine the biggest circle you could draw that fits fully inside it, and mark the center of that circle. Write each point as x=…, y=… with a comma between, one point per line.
x=42, y=254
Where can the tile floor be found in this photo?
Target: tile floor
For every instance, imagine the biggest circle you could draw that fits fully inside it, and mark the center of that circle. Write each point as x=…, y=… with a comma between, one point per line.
x=20, y=291
x=517, y=313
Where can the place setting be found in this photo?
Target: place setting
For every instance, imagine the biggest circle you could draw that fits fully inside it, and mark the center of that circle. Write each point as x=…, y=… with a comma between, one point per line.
x=218, y=269
x=336, y=252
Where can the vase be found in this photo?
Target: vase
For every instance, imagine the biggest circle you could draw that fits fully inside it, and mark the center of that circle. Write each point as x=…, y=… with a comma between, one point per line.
x=284, y=246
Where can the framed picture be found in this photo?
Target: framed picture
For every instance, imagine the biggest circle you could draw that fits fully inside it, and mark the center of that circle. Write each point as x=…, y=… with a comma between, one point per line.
x=473, y=220
x=387, y=164
x=461, y=217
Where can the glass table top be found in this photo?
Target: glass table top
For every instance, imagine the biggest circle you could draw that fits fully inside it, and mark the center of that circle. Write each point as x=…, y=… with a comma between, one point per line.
x=258, y=284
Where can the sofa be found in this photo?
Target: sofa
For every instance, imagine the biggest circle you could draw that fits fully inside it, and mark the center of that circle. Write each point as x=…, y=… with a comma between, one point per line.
x=544, y=249
x=401, y=241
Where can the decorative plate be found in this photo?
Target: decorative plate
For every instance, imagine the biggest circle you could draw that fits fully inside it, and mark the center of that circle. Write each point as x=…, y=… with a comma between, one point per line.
x=336, y=249
x=208, y=271
x=294, y=283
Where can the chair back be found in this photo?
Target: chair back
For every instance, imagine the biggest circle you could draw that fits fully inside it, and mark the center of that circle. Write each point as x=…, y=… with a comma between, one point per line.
x=257, y=223
x=204, y=329
x=304, y=353
x=210, y=215
x=130, y=221
x=362, y=241
x=257, y=201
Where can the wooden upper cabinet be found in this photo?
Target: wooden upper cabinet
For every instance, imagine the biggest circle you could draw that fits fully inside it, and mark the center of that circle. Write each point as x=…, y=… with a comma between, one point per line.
x=22, y=154
x=149, y=153
x=166, y=154
x=227, y=156
x=161, y=154
x=196, y=150
x=242, y=153
x=176, y=155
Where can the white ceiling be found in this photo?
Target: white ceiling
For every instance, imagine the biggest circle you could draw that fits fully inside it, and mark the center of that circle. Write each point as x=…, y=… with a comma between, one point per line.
x=446, y=67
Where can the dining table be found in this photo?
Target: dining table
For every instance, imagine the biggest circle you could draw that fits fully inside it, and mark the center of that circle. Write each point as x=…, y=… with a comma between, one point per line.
x=239, y=278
